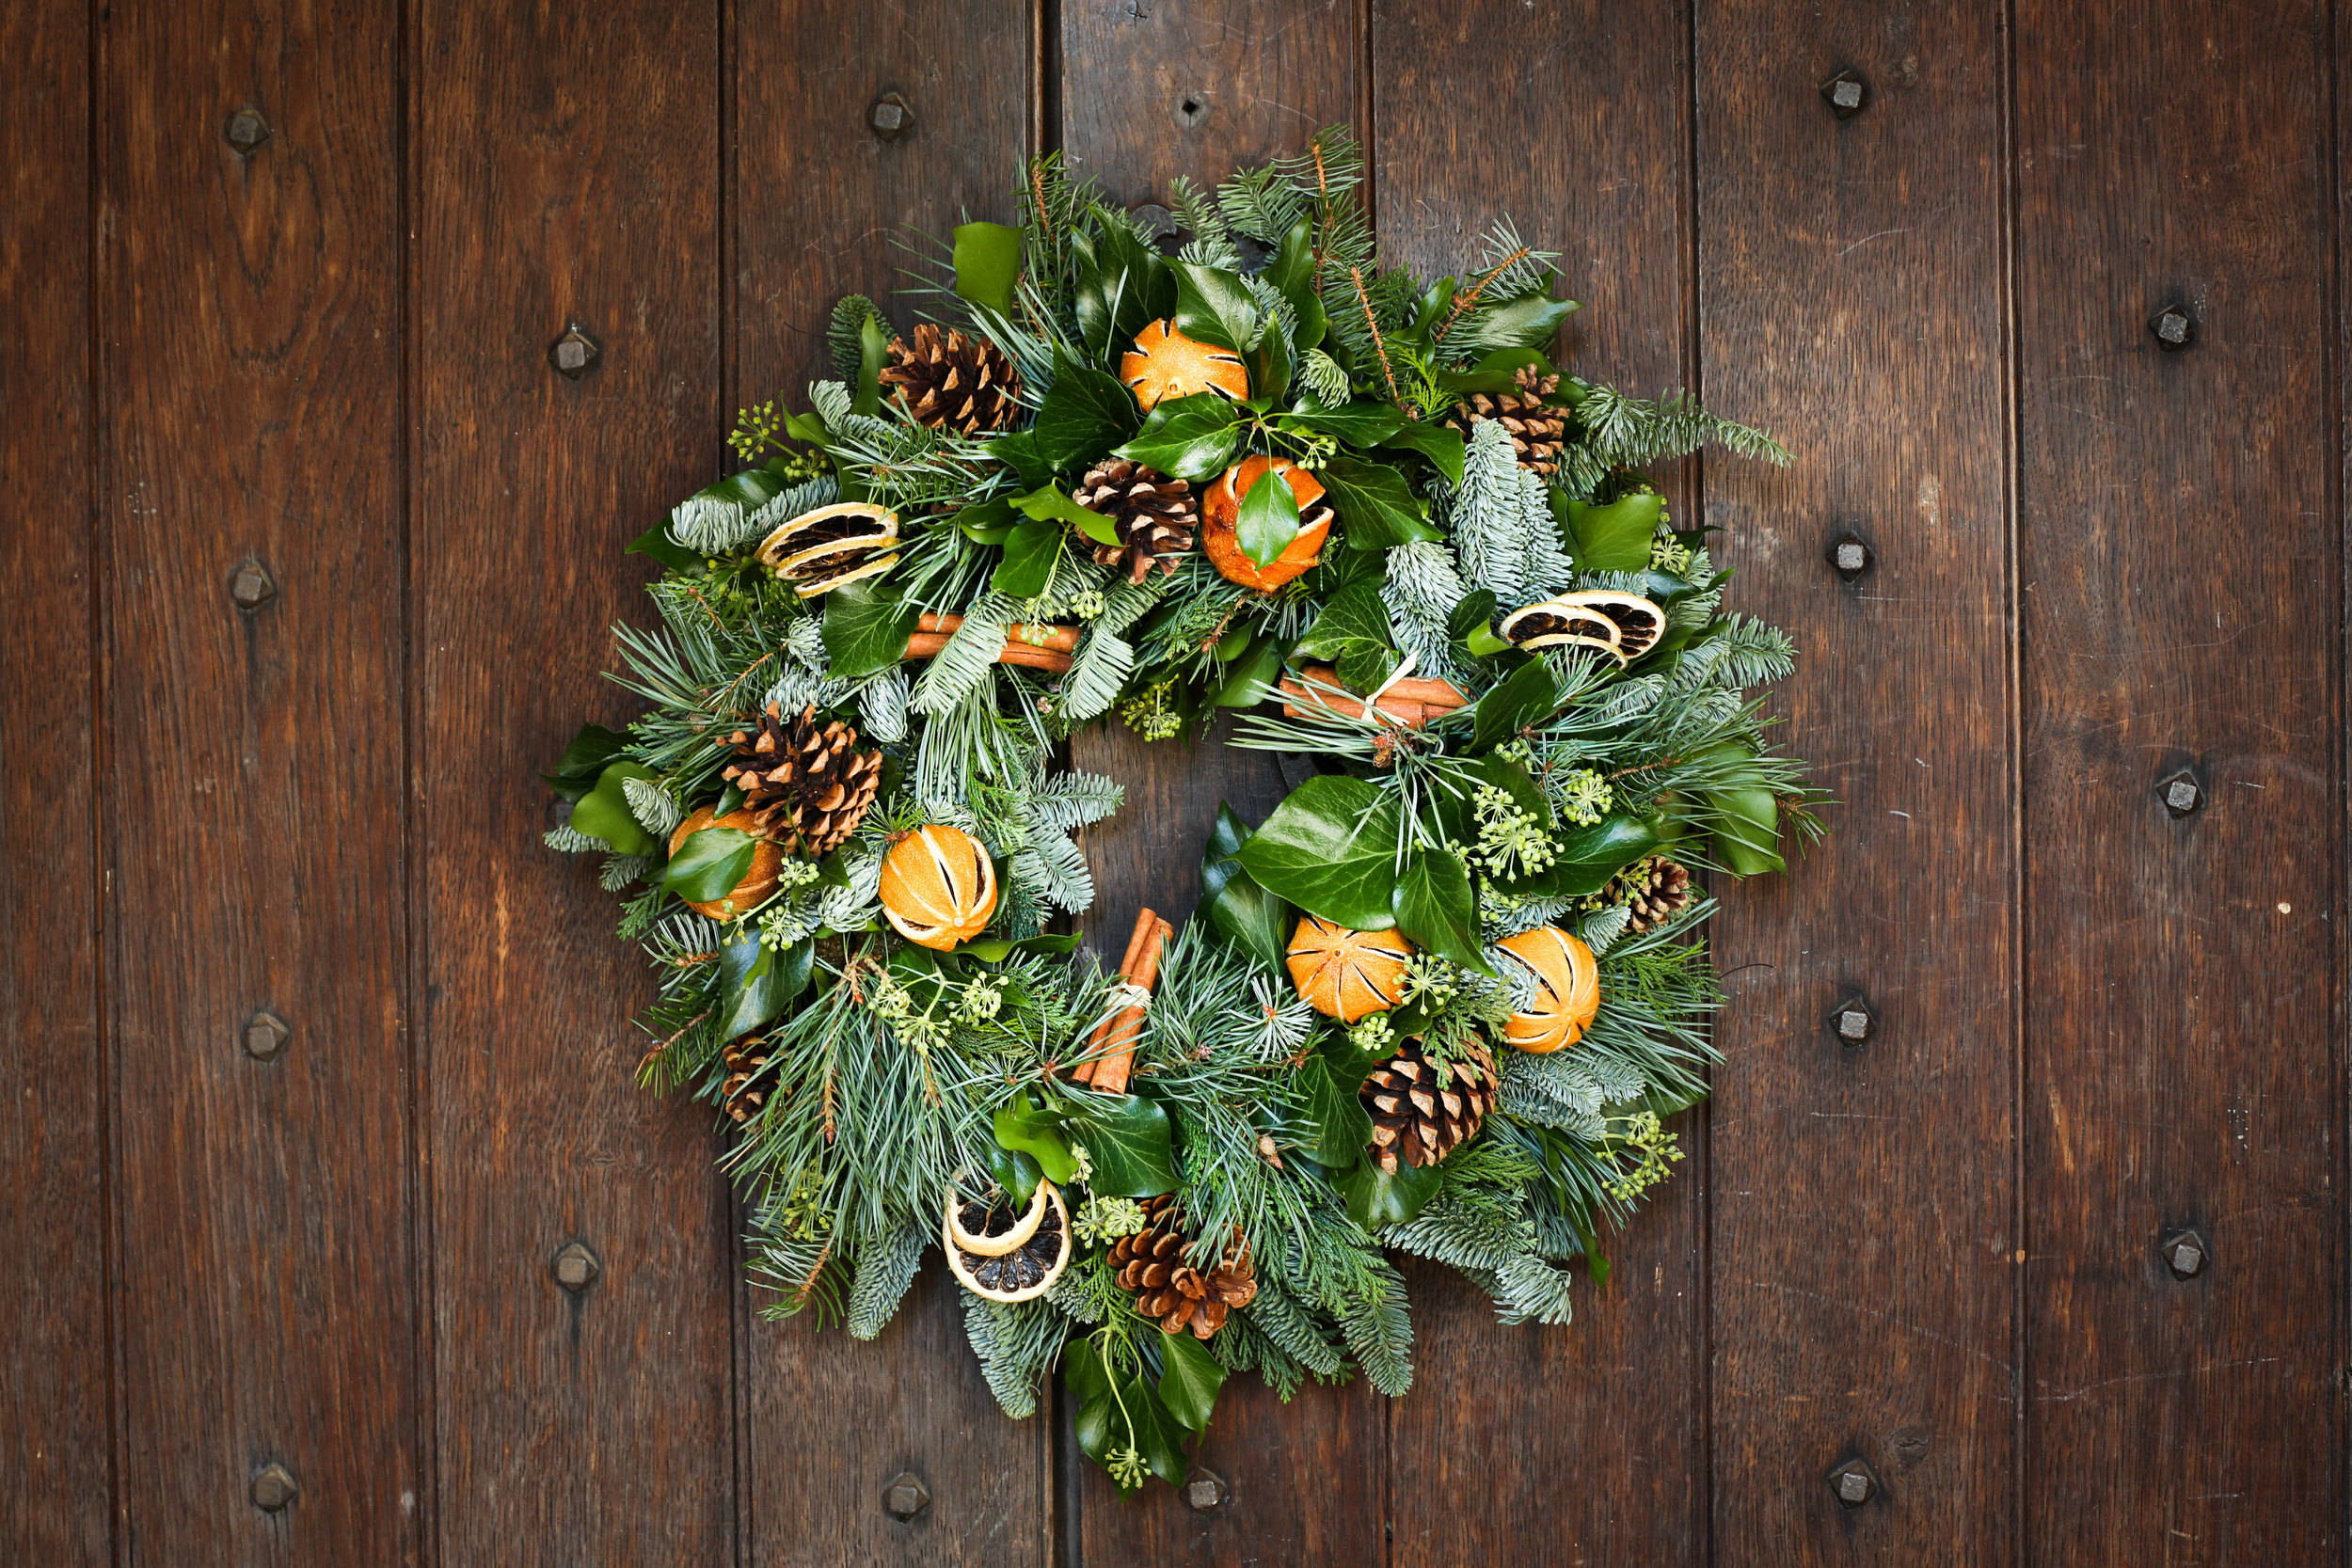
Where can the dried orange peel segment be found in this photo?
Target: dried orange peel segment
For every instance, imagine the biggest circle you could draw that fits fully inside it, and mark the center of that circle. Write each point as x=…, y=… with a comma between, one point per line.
x=1167, y=364
x=1346, y=975
x=758, y=883
x=938, y=887
x=1567, y=989
x=1220, y=524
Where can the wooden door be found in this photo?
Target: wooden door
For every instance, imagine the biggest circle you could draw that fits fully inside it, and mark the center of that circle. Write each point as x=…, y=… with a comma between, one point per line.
x=313, y=1061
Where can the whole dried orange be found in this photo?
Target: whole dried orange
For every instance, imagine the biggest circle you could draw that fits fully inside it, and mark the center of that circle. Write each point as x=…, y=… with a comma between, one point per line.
x=1346, y=975
x=938, y=887
x=1567, y=989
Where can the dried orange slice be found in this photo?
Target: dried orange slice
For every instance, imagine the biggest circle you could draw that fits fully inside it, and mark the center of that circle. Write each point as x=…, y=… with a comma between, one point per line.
x=1567, y=989
x=938, y=887
x=1347, y=975
x=990, y=1230
x=1167, y=364
x=1024, y=1272
x=758, y=883
x=1220, y=519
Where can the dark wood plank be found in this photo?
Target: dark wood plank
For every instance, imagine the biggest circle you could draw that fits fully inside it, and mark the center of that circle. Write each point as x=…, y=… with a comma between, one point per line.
x=1851, y=274
x=54, y=1466
x=253, y=786
x=1259, y=77
x=1580, y=137
x=565, y=165
x=2181, y=561
x=816, y=204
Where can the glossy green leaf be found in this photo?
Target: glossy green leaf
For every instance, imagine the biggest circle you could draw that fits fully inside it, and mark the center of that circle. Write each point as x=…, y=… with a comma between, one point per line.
x=987, y=262
x=1021, y=1127
x=1377, y=1198
x=1330, y=848
x=1129, y=1141
x=1441, y=446
x=1496, y=371
x=1355, y=616
x=1120, y=284
x=1250, y=672
x=1747, y=832
x=988, y=522
x=1376, y=507
x=1269, y=518
x=592, y=750
x=1052, y=501
x=710, y=864
x=1213, y=306
x=1190, y=1379
x=1523, y=323
x=757, y=982
x=867, y=626
x=1335, y=1123
x=1084, y=414
x=1254, y=920
x=1360, y=424
x=1190, y=437
x=1018, y=449
x=656, y=542
x=1617, y=537
x=1527, y=696
x=1436, y=909
x=603, y=813
x=1588, y=857
x=1027, y=566
x=873, y=353
x=1269, y=367
x=1016, y=1172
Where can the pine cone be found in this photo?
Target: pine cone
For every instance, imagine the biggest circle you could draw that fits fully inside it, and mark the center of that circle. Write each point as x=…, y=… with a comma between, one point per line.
x=1151, y=1265
x=1425, y=1113
x=1651, y=889
x=956, y=383
x=743, y=1060
x=1536, y=428
x=1156, y=515
x=807, y=787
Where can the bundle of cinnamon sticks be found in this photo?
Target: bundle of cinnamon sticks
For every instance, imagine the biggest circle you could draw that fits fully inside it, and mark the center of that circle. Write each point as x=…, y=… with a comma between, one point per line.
x=1111, y=1050
x=1410, y=703
x=1037, y=647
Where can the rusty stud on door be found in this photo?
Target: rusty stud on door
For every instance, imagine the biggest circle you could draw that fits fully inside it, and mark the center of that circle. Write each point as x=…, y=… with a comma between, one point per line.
x=576, y=1268
x=905, y=1495
x=1204, y=1489
x=2185, y=1254
x=1849, y=555
x=2174, y=327
x=273, y=1487
x=1853, y=1483
x=251, y=586
x=247, y=131
x=1854, y=1023
x=890, y=118
x=1846, y=93
x=265, y=1036
x=574, y=352
x=2180, y=792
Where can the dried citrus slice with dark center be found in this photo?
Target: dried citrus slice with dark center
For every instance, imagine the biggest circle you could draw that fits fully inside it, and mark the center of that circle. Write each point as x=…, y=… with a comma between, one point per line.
x=1025, y=1273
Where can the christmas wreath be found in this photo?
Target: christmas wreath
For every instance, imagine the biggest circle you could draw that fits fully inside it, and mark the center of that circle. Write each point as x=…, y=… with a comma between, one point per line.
x=1441, y=1002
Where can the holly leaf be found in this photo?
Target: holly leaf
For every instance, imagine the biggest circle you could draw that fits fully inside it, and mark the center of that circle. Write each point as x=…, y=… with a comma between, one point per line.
x=656, y=542
x=1128, y=1139
x=1051, y=501
x=1027, y=566
x=603, y=813
x=1023, y=1129
x=987, y=261
x=1435, y=908
x=1617, y=537
x=867, y=626
x=709, y=863
x=1213, y=306
x=1255, y=922
x=1269, y=518
x=755, y=982
x=1084, y=414
x=1376, y=506
x=1190, y=1380
x=1189, y=437
x=575, y=772
x=1377, y=1198
x=1330, y=848
x=1527, y=696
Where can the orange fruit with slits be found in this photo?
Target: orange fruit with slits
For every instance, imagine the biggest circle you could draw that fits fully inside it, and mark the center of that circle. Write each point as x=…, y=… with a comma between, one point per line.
x=1347, y=975
x=758, y=883
x=938, y=887
x=1221, y=522
x=1567, y=989
x=1167, y=364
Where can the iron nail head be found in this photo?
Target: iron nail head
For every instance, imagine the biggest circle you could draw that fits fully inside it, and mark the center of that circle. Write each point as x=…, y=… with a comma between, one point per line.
x=1849, y=555
x=251, y=586
x=574, y=352
x=1204, y=1489
x=273, y=1487
x=2181, y=794
x=1853, y=1022
x=2185, y=1254
x=1846, y=93
x=890, y=118
x=265, y=1036
x=906, y=1496
x=576, y=1268
x=247, y=130
x=1853, y=1483
x=2174, y=327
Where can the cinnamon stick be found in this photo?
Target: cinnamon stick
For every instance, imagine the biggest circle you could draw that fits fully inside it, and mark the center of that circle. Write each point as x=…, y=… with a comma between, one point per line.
x=1115, y=1040
x=1084, y=1071
x=924, y=644
x=1063, y=640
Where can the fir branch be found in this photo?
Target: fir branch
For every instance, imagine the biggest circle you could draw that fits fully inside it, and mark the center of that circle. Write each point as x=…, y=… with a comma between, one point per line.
x=882, y=1277
x=1634, y=433
x=1095, y=677
x=566, y=839
x=844, y=335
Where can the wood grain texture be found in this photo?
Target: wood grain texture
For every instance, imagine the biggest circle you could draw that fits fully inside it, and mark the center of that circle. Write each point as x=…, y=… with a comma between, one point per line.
x=1260, y=76
x=254, y=846
x=1850, y=275
x=2182, y=569
x=565, y=168
x=55, y=1394
x=818, y=208
x=1580, y=138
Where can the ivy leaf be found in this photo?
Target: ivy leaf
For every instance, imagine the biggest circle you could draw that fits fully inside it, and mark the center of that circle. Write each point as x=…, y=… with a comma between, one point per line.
x=709, y=863
x=1213, y=306
x=1336, y=1116
x=1436, y=911
x=1053, y=502
x=1190, y=1381
x=1330, y=848
x=1374, y=505
x=1527, y=696
x=1588, y=858
x=1084, y=414
x=757, y=983
x=1355, y=617
x=575, y=772
x=1269, y=518
x=1018, y=449
x=867, y=626
x=1030, y=551
x=1127, y=1137
x=1360, y=424
x=1189, y=437
x=987, y=260
x=1377, y=1198
x=1441, y=446
x=603, y=812
x=1617, y=537
x=1021, y=1127
x=1254, y=920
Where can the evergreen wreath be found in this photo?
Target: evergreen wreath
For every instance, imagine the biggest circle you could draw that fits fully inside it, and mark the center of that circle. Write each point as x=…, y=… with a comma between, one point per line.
x=1442, y=1002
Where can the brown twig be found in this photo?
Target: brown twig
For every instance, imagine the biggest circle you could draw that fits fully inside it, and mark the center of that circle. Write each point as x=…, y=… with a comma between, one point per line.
x=1379, y=344
x=1464, y=301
